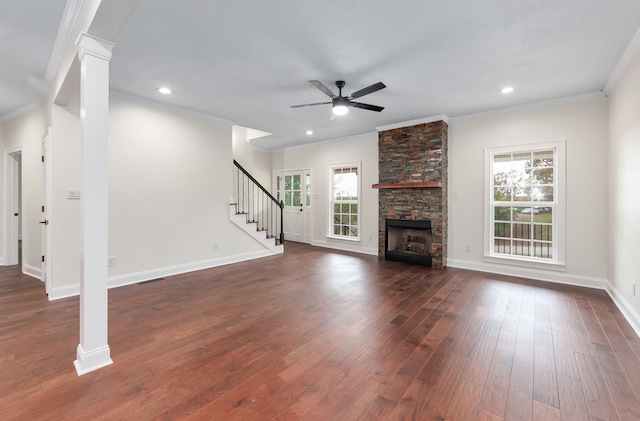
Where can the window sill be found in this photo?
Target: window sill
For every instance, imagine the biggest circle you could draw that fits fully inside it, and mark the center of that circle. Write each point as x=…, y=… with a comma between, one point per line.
x=348, y=239
x=528, y=263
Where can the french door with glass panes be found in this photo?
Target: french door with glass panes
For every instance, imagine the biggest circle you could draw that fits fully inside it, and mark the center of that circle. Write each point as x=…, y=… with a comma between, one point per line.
x=296, y=194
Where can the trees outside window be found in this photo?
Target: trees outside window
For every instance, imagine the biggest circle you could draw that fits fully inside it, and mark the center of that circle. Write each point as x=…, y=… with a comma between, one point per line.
x=525, y=203
x=345, y=202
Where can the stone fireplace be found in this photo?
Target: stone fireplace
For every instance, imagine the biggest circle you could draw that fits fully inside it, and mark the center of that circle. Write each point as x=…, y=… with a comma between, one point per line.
x=412, y=174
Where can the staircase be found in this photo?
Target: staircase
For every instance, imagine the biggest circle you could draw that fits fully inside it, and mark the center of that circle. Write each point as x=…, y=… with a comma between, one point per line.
x=256, y=211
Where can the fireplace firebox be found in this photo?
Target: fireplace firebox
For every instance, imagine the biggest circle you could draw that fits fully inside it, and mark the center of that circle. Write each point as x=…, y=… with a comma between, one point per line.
x=408, y=241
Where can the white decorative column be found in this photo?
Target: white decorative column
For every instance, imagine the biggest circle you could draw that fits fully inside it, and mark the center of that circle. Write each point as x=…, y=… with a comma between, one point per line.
x=93, y=351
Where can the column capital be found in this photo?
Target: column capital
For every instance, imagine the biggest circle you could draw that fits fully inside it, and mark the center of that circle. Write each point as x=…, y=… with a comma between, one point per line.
x=94, y=46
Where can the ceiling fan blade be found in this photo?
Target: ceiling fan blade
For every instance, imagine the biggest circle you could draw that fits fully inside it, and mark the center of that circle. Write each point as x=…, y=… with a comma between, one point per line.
x=323, y=88
x=310, y=105
x=368, y=90
x=366, y=106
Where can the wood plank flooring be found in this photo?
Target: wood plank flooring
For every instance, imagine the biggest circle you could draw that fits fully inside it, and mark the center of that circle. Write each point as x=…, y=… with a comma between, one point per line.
x=316, y=334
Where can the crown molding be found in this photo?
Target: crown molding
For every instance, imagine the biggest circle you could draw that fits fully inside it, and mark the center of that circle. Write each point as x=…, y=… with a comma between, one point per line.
x=167, y=107
x=627, y=55
x=93, y=46
x=410, y=123
x=533, y=105
x=65, y=30
x=31, y=106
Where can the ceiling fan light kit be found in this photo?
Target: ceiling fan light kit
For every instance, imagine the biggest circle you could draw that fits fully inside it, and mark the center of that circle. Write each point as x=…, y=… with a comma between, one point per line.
x=340, y=109
x=340, y=103
x=340, y=106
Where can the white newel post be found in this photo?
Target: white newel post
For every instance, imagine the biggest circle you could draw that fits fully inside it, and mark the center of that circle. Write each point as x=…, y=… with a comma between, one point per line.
x=93, y=351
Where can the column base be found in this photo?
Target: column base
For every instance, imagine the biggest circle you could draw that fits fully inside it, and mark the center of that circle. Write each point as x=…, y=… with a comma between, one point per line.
x=92, y=360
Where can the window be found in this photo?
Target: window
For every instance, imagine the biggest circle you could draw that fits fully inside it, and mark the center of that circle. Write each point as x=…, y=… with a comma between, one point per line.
x=307, y=182
x=292, y=190
x=295, y=194
x=345, y=202
x=525, y=200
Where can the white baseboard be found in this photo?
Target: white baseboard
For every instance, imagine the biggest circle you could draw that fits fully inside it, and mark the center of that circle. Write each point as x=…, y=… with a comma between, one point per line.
x=134, y=278
x=625, y=308
x=87, y=361
x=529, y=273
x=557, y=277
x=67, y=291
x=345, y=246
x=34, y=272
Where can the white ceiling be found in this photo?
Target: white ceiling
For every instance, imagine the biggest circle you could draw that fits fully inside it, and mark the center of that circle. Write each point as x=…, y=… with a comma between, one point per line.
x=28, y=31
x=248, y=61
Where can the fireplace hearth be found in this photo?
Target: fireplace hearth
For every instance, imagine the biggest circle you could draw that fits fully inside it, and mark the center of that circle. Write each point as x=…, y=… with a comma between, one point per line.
x=408, y=241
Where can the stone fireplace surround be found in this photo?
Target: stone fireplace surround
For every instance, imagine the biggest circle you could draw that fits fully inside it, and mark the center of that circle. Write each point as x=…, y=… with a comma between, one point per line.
x=412, y=174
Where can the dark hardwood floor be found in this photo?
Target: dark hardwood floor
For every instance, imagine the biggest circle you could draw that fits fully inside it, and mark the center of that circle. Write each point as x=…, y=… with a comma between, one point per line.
x=323, y=335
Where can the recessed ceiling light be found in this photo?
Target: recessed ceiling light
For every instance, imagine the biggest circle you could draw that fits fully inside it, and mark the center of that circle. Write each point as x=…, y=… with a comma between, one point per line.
x=507, y=90
x=164, y=90
x=309, y=132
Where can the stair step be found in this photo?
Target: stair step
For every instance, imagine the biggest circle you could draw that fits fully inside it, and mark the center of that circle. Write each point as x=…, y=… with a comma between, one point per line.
x=255, y=230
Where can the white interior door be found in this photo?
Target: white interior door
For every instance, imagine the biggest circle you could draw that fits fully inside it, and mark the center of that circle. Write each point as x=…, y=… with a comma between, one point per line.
x=295, y=192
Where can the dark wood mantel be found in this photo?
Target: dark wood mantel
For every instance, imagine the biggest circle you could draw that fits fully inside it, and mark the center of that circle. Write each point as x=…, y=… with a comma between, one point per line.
x=412, y=185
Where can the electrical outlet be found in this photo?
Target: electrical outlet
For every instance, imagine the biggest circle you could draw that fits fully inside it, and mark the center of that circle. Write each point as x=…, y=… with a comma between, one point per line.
x=634, y=289
x=111, y=261
x=467, y=248
x=214, y=247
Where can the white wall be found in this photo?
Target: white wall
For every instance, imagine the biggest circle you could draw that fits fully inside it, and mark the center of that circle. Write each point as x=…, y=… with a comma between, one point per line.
x=318, y=157
x=242, y=150
x=583, y=124
x=257, y=163
x=65, y=159
x=624, y=186
x=261, y=170
x=27, y=131
x=169, y=185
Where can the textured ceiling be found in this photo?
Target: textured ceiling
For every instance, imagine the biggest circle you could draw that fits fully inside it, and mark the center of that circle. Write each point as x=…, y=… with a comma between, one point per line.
x=248, y=61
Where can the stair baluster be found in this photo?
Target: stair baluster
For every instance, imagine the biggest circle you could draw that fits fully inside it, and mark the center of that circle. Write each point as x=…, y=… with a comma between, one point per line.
x=258, y=204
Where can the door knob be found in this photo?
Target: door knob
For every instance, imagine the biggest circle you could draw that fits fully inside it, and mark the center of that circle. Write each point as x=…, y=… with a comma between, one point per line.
x=45, y=222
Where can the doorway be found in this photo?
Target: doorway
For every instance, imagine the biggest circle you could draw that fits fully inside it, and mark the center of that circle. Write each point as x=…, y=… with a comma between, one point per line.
x=295, y=191
x=13, y=207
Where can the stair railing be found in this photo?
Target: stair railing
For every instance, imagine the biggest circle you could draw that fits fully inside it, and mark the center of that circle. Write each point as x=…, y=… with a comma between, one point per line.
x=258, y=204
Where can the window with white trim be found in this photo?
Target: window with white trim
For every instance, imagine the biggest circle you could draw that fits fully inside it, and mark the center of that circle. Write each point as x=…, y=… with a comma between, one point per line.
x=344, y=212
x=525, y=198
